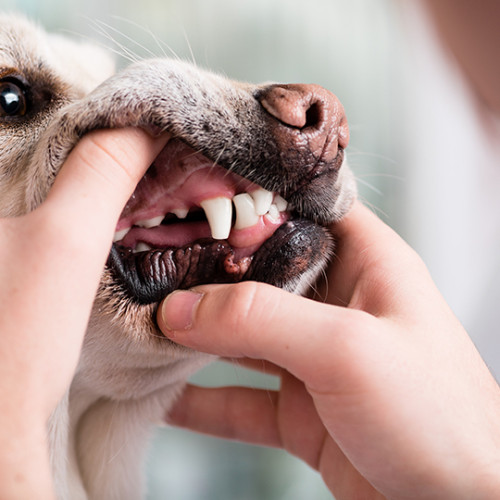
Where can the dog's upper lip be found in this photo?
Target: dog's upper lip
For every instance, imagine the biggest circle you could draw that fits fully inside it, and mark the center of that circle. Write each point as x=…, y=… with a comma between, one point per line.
x=178, y=179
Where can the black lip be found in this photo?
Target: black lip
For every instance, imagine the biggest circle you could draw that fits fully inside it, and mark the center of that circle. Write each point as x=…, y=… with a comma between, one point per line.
x=148, y=277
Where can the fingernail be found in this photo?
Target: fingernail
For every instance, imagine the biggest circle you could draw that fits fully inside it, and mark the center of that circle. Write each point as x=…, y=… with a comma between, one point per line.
x=178, y=308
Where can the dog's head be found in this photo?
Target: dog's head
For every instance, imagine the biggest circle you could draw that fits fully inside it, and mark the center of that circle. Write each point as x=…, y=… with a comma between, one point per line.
x=243, y=190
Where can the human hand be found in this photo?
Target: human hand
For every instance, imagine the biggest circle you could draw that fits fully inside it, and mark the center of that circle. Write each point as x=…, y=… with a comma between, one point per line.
x=382, y=390
x=51, y=261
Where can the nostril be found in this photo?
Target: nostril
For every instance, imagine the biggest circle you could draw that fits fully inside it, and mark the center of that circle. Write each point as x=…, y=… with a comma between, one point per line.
x=286, y=104
x=298, y=106
x=313, y=115
x=306, y=112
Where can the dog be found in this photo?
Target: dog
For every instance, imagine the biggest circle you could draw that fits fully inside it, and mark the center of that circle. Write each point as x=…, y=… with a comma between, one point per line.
x=248, y=181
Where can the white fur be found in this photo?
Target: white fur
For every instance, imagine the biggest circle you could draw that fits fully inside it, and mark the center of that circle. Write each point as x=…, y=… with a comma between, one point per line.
x=128, y=375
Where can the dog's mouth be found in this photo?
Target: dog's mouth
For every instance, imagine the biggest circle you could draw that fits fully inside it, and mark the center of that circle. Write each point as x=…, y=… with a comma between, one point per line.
x=191, y=222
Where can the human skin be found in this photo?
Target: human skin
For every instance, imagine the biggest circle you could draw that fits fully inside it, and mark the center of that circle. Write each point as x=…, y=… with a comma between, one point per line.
x=51, y=261
x=382, y=390
x=444, y=428
x=469, y=30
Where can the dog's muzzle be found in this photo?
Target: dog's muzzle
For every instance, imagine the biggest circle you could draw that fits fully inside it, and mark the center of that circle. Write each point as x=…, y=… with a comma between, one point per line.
x=192, y=221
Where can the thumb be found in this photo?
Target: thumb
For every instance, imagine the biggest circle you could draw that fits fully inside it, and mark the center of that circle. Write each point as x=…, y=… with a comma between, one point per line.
x=258, y=321
x=99, y=176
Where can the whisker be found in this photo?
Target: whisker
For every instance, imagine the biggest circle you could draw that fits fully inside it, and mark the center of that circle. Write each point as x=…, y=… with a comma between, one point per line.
x=313, y=287
x=219, y=156
x=193, y=59
x=374, y=208
x=104, y=25
x=123, y=444
x=101, y=44
x=386, y=176
x=369, y=186
x=158, y=42
x=124, y=51
x=163, y=45
x=353, y=153
x=129, y=57
x=215, y=163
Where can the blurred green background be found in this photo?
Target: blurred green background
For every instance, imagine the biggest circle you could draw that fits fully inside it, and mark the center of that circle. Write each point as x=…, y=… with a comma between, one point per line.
x=409, y=113
x=349, y=47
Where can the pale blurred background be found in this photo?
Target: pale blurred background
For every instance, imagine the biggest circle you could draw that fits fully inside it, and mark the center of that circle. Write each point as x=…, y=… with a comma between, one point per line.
x=419, y=148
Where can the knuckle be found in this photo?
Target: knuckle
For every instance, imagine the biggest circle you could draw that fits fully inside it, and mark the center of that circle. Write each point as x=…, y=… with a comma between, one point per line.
x=115, y=156
x=246, y=307
x=98, y=150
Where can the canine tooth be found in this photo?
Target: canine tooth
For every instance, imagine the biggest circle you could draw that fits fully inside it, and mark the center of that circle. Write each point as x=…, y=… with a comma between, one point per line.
x=280, y=203
x=274, y=212
x=181, y=213
x=245, y=211
x=149, y=223
x=219, y=212
x=119, y=235
x=262, y=199
x=142, y=247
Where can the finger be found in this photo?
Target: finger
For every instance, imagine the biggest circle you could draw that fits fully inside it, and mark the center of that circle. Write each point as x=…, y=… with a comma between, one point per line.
x=238, y=413
x=251, y=416
x=70, y=234
x=260, y=321
x=363, y=241
x=99, y=176
x=258, y=365
x=373, y=266
x=286, y=419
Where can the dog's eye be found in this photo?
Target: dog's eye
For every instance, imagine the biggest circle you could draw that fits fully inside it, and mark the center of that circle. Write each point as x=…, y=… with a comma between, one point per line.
x=12, y=99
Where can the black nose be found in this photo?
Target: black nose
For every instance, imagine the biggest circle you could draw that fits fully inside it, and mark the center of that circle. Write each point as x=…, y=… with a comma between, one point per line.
x=308, y=118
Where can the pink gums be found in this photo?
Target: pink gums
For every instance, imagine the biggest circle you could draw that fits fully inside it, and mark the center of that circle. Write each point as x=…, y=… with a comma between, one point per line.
x=180, y=179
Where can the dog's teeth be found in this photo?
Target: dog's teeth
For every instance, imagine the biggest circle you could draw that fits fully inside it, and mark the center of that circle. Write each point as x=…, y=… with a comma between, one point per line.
x=274, y=212
x=245, y=211
x=149, y=223
x=262, y=199
x=280, y=203
x=142, y=247
x=219, y=212
x=119, y=235
x=181, y=213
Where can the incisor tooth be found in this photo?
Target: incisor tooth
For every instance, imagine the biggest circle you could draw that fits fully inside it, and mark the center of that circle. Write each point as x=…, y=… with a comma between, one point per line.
x=219, y=212
x=262, y=199
x=149, y=223
x=280, y=203
x=274, y=213
x=119, y=235
x=245, y=211
x=142, y=247
x=181, y=213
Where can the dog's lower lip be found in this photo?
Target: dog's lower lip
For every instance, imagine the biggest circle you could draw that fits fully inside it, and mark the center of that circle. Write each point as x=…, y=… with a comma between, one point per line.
x=147, y=277
x=149, y=273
